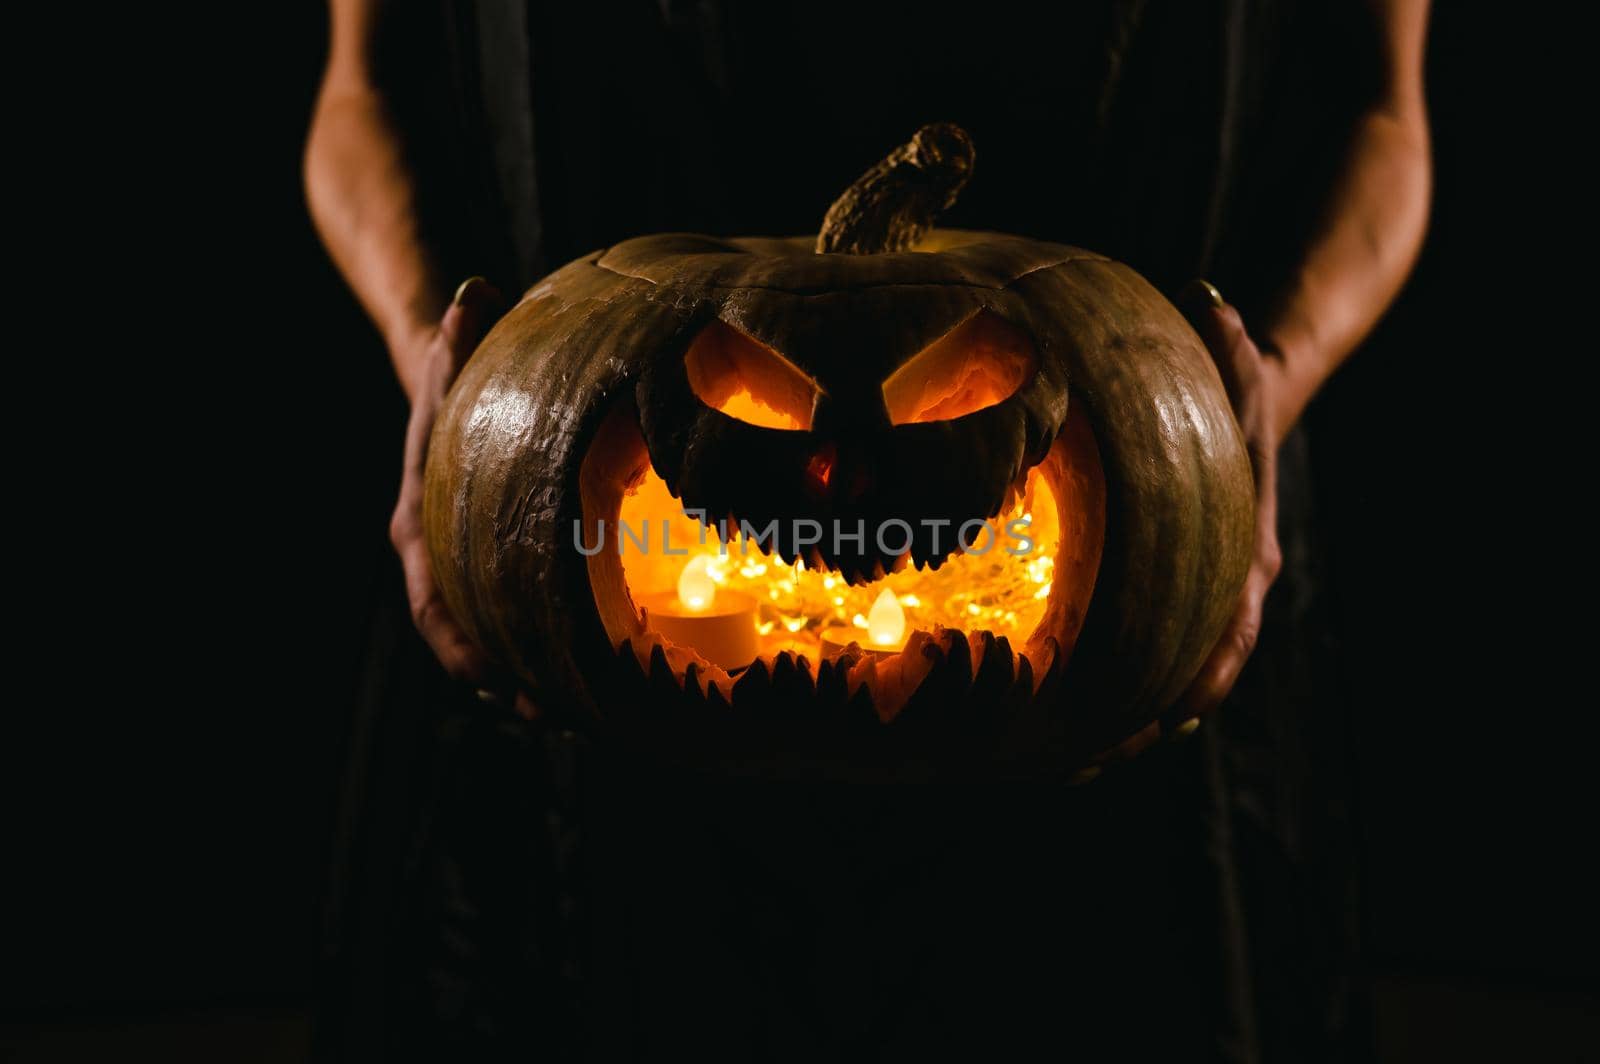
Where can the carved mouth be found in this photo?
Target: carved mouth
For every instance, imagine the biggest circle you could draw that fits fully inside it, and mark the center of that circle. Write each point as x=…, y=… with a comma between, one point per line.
x=997, y=614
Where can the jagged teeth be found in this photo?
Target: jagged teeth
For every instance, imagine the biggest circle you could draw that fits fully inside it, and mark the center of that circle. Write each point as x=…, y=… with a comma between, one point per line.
x=950, y=665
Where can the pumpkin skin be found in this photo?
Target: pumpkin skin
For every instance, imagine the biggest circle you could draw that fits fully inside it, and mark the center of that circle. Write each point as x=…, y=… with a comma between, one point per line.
x=601, y=343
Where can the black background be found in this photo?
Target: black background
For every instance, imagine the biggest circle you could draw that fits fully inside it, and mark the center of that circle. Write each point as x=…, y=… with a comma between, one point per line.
x=227, y=433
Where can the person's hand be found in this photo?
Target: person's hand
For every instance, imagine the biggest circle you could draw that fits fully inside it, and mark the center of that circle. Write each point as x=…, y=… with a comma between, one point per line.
x=1248, y=377
x=443, y=352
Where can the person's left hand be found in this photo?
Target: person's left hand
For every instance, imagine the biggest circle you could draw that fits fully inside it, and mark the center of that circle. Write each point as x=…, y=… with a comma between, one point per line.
x=1247, y=375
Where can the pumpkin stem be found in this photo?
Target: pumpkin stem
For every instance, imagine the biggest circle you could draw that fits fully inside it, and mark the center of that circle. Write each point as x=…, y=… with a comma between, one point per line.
x=893, y=205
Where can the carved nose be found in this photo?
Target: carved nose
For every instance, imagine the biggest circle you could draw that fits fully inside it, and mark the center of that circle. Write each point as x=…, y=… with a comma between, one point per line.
x=839, y=477
x=819, y=471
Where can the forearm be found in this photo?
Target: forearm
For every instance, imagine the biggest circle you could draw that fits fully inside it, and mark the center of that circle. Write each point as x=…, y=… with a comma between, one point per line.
x=1356, y=266
x=1371, y=232
x=363, y=201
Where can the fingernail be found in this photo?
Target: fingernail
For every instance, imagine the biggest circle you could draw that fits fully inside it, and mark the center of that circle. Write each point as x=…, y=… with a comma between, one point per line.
x=1084, y=775
x=1135, y=744
x=461, y=290
x=1201, y=286
x=486, y=695
x=1182, y=731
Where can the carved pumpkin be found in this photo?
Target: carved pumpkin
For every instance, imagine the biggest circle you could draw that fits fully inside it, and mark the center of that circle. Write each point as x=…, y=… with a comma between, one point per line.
x=882, y=376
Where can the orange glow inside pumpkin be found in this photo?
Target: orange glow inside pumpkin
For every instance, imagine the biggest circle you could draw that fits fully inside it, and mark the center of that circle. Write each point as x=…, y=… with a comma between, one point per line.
x=748, y=380
x=1036, y=600
x=981, y=362
x=1002, y=593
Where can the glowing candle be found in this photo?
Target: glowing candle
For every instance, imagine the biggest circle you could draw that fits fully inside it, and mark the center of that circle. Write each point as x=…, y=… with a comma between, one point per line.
x=720, y=625
x=886, y=623
x=696, y=590
x=885, y=632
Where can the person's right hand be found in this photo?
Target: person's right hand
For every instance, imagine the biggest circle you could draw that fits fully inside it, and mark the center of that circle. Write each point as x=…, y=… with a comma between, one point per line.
x=443, y=353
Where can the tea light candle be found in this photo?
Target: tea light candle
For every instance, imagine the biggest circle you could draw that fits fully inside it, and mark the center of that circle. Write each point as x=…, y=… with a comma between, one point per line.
x=885, y=633
x=720, y=625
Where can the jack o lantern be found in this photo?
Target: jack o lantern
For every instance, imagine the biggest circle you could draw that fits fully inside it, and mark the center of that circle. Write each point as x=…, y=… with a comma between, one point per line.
x=970, y=503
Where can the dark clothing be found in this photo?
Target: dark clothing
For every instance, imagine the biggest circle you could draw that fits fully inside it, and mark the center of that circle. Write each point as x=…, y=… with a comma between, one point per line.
x=1184, y=137
x=510, y=892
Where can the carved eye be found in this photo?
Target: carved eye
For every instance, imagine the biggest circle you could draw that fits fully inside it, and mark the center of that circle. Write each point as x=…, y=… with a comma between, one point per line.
x=981, y=362
x=749, y=381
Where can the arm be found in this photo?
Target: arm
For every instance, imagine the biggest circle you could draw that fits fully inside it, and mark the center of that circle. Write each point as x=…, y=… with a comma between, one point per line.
x=1366, y=245
x=1371, y=232
x=363, y=198
x=364, y=202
